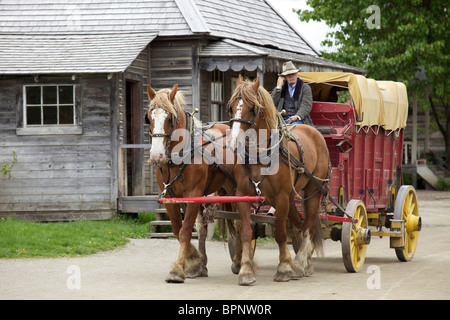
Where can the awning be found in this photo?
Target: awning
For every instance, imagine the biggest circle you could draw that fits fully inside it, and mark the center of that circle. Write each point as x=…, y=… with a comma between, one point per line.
x=228, y=54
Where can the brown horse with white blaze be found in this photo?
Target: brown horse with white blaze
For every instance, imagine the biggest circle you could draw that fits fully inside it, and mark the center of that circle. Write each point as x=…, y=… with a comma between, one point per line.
x=251, y=107
x=172, y=133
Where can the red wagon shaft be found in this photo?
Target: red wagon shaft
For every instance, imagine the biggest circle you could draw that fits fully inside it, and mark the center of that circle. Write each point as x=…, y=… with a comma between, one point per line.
x=212, y=199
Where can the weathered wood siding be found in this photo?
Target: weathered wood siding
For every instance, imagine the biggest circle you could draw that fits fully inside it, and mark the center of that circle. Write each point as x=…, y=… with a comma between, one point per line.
x=65, y=174
x=171, y=62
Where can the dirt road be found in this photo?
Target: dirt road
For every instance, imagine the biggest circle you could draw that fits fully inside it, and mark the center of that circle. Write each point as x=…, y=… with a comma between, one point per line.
x=138, y=270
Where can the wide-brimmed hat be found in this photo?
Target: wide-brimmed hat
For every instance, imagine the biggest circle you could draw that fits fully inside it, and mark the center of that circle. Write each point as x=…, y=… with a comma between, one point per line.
x=288, y=68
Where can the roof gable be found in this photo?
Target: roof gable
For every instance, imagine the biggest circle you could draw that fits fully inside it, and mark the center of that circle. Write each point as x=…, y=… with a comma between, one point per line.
x=252, y=21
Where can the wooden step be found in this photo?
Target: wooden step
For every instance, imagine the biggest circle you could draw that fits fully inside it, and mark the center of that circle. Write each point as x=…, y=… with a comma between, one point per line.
x=168, y=235
x=161, y=235
x=160, y=223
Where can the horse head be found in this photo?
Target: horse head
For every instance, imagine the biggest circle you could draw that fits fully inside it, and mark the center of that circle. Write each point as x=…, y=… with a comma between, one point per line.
x=164, y=109
x=250, y=106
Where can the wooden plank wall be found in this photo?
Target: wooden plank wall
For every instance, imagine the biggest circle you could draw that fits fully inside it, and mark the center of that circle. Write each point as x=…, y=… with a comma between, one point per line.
x=64, y=174
x=171, y=62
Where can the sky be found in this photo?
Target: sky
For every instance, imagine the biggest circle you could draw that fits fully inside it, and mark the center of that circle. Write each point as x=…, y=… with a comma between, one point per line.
x=314, y=32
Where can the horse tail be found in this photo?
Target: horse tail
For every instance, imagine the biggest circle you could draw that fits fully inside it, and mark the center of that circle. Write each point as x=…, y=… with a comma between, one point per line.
x=317, y=239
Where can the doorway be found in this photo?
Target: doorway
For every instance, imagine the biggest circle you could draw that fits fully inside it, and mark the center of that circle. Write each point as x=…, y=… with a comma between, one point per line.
x=134, y=135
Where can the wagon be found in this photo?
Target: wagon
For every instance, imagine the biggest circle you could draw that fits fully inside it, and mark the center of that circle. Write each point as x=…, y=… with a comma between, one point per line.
x=364, y=136
x=362, y=122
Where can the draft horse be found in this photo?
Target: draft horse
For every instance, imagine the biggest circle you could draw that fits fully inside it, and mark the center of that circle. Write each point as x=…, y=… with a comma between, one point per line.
x=303, y=156
x=180, y=174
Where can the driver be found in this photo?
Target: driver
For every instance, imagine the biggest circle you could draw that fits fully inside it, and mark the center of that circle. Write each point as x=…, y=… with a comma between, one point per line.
x=293, y=95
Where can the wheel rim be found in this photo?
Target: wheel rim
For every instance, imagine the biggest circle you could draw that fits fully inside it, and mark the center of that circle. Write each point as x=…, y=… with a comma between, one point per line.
x=354, y=252
x=409, y=213
x=358, y=251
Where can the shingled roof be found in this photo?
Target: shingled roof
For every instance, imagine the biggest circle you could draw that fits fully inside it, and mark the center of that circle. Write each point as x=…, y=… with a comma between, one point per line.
x=53, y=36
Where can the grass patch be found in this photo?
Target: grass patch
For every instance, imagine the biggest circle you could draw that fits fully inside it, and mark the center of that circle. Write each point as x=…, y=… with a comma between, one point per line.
x=19, y=239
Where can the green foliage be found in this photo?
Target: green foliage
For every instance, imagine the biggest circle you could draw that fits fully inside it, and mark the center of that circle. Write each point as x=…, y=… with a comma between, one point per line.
x=443, y=184
x=6, y=168
x=20, y=238
x=410, y=34
x=409, y=45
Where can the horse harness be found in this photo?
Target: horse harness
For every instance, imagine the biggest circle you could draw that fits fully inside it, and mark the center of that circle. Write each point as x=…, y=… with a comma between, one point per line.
x=289, y=159
x=190, y=152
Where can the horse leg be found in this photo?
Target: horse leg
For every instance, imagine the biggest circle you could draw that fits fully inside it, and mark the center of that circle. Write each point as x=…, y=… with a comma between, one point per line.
x=234, y=226
x=296, y=224
x=188, y=262
x=247, y=271
x=202, y=229
x=284, y=270
x=308, y=239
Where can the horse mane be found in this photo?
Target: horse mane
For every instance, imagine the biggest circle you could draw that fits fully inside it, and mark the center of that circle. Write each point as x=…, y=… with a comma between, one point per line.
x=262, y=99
x=161, y=100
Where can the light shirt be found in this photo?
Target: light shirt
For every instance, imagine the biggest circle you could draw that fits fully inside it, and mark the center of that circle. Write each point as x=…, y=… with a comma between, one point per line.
x=292, y=89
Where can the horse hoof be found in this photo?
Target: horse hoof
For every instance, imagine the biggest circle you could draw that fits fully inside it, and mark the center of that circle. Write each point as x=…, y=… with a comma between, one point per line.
x=174, y=278
x=235, y=268
x=298, y=272
x=193, y=268
x=282, y=276
x=194, y=273
x=246, y=280
x=204, y=272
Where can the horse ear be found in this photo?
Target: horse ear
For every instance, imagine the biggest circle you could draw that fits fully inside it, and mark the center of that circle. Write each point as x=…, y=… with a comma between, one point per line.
x=256, y=85
x=239, y=80
x=173, y=93
x=151, y=93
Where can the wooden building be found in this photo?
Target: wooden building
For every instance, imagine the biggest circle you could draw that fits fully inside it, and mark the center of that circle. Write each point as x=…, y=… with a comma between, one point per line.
x=72, y=90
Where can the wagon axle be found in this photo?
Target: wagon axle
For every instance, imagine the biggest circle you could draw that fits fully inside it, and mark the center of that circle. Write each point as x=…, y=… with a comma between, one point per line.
x=362, y=236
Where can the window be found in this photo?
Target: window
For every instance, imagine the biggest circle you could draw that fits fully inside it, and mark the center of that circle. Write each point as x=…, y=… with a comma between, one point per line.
x=49, y=105
x=216, y=95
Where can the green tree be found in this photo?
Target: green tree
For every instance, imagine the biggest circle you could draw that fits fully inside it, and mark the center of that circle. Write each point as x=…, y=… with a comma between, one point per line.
x=399, y=40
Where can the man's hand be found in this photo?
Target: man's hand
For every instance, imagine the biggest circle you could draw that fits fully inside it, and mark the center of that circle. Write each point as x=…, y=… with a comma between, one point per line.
x=281, y=81
x=294, y=118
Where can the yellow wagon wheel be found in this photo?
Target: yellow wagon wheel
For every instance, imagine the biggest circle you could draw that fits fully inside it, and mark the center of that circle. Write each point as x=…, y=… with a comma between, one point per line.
x=407, y=209
x=355, y=236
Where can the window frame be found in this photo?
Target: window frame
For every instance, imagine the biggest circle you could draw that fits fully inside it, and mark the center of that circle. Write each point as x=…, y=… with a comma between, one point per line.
x=49, y=129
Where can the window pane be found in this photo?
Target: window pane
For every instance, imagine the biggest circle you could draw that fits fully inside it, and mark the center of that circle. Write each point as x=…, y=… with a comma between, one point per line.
x=33, y=95
x=65, y=94
x=215, y=112
x=34, y=115
x=65, y=115
x=50, y=115
x=49, y=93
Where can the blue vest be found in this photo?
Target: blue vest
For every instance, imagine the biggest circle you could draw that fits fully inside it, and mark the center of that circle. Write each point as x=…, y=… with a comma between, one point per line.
x=289, y=105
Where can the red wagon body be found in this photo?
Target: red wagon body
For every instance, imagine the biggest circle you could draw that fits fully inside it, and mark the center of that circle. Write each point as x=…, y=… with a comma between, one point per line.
x=366, y=162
